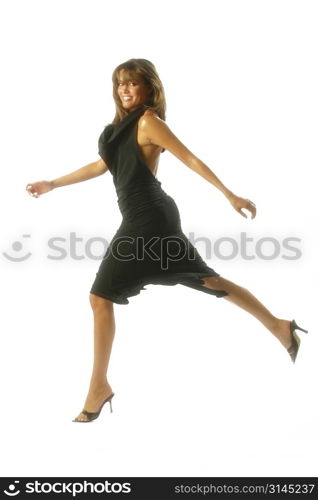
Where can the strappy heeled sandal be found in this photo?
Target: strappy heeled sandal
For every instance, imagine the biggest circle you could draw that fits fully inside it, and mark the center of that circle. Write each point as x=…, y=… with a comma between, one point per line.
x=294, y=347
x=93, y=415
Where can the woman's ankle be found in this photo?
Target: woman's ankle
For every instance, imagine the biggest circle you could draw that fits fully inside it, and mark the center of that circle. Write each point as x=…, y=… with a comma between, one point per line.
x=99, y=385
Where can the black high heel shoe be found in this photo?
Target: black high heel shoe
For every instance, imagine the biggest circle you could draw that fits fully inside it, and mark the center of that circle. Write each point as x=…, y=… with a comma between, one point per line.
x=93, y=415
x=294, y=347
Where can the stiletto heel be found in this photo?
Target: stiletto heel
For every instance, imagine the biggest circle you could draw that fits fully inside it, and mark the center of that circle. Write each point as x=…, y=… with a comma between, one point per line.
x=295, y=326
x=294, y=347
x=93, y=415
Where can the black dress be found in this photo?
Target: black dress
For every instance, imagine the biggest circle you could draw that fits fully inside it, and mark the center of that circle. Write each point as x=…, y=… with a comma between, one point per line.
x=149, y=247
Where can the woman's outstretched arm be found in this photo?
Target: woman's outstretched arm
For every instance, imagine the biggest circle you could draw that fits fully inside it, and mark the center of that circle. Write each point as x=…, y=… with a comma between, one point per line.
x=157, y=132
x=82, y=174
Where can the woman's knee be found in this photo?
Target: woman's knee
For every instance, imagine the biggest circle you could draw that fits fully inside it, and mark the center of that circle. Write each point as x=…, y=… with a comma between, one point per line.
x=98, y=302
x=214, y=282
x=218, y=283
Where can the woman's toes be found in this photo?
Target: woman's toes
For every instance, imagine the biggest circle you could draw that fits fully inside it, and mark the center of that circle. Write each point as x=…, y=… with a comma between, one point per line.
x=80, y=418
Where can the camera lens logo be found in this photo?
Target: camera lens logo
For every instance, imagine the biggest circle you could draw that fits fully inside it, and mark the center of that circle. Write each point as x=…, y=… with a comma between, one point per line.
x=13, y=492
x=17, y=246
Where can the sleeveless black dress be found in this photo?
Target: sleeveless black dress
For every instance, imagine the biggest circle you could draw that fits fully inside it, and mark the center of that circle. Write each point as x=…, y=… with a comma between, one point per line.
x=149, y=247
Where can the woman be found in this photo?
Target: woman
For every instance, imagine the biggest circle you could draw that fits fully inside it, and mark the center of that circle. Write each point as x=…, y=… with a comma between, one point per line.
x=149, y=246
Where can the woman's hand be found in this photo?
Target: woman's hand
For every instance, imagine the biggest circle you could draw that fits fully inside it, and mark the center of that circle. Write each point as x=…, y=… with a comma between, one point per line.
x=37, y=188
x=239, y=203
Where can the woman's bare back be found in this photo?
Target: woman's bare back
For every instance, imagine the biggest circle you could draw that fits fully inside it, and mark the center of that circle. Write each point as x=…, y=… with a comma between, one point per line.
x=149, y=152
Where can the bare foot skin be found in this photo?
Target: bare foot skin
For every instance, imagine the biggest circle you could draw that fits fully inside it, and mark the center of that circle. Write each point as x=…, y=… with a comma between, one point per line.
x=96, y=396
x=282, y=332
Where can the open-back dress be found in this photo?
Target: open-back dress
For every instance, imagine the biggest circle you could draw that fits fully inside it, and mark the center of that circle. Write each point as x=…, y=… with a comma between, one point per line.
x=149, y=246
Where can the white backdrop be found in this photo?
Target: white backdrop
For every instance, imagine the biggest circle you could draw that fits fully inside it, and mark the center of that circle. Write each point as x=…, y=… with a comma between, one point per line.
x=201, y=387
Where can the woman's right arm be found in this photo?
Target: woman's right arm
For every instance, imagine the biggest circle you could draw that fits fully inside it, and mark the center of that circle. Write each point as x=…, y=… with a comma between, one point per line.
x=82, y=174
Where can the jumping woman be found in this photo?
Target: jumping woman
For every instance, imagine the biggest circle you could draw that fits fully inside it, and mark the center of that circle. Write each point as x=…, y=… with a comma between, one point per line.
x=149, y=247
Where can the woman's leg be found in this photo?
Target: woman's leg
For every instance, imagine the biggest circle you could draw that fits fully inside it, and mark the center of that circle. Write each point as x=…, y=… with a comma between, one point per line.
x=246, y=300
x=104, y=331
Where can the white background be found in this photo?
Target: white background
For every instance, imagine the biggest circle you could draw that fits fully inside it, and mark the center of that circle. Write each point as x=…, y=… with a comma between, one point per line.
x=201, y=387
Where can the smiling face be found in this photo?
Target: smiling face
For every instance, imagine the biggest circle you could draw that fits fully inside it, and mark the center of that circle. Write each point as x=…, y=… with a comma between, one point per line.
x=131, y=89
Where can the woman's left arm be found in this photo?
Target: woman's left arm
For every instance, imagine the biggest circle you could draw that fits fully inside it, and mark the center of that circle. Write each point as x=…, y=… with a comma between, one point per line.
x=157, y=132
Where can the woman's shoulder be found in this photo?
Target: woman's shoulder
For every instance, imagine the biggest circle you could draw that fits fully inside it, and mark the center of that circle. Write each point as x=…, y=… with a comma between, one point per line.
x=149, y=111
x=106, y=133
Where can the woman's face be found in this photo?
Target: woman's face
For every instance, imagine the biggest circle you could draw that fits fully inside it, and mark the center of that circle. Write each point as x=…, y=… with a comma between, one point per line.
x=132, y=90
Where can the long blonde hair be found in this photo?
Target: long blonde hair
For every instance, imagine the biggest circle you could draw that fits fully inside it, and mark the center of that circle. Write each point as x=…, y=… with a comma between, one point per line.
x=147, y=71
